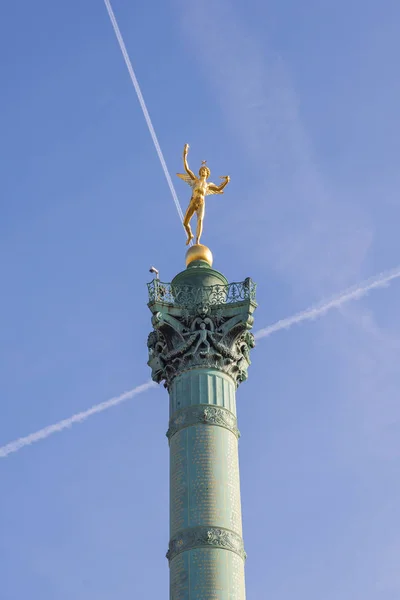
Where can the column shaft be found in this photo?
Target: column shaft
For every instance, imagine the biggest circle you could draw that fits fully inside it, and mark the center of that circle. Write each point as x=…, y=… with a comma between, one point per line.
x=206, y=549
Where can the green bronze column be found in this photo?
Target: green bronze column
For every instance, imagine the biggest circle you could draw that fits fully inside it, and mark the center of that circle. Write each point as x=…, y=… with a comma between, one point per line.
x=200, y=348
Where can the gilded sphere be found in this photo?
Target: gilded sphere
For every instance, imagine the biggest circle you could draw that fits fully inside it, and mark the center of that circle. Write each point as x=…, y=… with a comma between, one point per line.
x=199, y=252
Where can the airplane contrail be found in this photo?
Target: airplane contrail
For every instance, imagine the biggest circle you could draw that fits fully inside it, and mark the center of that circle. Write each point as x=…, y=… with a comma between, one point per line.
x=353, y=293
x=78, y=418
x=143, y=106
x=313, y=312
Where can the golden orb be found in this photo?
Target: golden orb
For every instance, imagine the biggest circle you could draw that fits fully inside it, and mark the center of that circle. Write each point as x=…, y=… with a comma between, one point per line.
x=199, y=252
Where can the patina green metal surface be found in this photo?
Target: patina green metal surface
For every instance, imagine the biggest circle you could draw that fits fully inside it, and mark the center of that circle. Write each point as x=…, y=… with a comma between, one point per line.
x=200, y=348
x=190, y=295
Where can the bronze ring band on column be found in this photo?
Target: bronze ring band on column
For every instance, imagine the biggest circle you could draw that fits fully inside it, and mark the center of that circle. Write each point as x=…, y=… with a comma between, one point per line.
x=204, y=414
x=205, y=537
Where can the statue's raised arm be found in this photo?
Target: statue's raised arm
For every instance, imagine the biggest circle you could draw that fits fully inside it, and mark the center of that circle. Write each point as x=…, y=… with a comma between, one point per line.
x=185, y=163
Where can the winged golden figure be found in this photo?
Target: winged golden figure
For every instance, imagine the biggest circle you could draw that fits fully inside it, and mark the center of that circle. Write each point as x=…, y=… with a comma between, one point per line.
x=200, y=189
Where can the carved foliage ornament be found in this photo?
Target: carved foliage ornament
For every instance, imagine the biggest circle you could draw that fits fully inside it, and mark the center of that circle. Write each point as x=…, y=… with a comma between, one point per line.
x=200, y=335
x=203, y=413
x=205, y=537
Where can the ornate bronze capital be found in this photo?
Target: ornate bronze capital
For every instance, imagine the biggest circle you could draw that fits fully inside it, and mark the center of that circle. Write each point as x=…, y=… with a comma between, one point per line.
x=203, y=327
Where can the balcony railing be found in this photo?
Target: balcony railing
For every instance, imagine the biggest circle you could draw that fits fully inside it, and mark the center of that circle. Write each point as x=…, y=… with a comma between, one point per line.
x=186, y=295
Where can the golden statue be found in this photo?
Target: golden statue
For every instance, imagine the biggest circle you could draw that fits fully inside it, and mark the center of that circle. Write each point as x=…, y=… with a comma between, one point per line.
x=201, y=188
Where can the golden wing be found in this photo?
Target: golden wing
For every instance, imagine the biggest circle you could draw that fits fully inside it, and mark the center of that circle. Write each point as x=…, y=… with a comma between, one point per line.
x=187, y=179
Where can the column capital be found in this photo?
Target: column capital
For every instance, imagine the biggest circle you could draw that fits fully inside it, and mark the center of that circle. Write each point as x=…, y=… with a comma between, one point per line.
x=197, y=326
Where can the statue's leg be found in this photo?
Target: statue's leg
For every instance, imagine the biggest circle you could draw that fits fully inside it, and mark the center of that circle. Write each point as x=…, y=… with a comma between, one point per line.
x=200, y=218
x=186, y=223
x=197, y=345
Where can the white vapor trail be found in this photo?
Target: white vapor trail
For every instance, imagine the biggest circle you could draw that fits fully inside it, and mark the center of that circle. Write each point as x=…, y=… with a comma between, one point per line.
x=143, y=105
x=353, y=293
x=66, y=423
x=311, y=313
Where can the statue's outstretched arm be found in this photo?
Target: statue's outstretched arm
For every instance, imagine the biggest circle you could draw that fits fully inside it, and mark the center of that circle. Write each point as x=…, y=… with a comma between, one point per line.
x=217, y=189
x=185, y=162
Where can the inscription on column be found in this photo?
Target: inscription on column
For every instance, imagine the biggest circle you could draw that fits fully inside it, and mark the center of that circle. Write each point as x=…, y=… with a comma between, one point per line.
x=204, y=477
x=236, y=570
x=179, y=577
x=178, y=482
x=210, y=574
x=233, y=484
x=206, y=573
x=204, y=480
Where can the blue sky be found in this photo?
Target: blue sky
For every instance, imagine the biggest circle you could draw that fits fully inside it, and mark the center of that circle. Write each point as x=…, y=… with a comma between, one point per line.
x=299, y=103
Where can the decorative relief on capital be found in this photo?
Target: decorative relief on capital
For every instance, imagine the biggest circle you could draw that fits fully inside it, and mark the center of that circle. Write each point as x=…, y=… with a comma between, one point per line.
x=203, y=413
x=202, y=333
x=201, y=537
